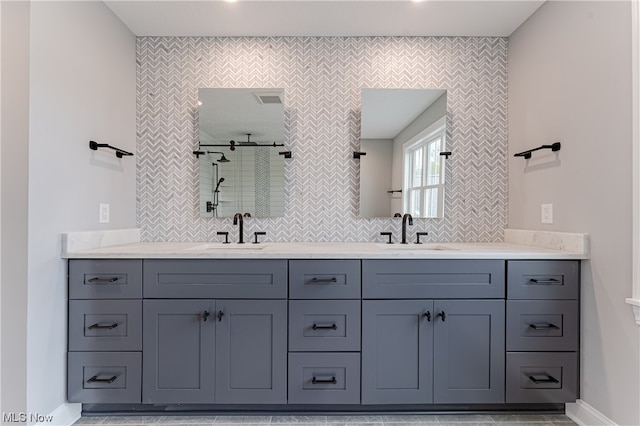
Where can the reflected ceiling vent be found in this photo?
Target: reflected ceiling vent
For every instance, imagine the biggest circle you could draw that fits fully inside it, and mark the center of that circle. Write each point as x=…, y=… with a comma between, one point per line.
x=268, y=97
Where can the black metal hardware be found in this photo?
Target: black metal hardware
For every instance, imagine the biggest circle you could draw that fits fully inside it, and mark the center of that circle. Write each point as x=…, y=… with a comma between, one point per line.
x=247, y=214
x=198, y=153
x=255, y=236
x=549, y=379
x=357, y=154
x=324, y=327
x=394, y=190
x=287, y=154
x=418, y=234
x=442, y=315
x=428, y=315
x=210, y=207
x=239, y=220
x=119, y=152
x=406, y=218
x=205, y=316
x=103, y=280
x=226, y=236
x=220, y=315
x=527, y=154
x=445, y=154
x=95, y=379
x=232, y=145
x=332, y=380
x=547, y=281
x=103, y=327
x=324, y=280
x=388, y=234
x=546, y=326
x=397, y=215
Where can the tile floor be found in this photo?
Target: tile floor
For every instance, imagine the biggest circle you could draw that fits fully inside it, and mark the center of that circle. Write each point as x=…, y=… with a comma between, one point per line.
x=362, y=420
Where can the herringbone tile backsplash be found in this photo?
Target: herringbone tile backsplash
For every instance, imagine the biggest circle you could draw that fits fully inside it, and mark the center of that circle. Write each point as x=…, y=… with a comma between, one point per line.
x=322, y=78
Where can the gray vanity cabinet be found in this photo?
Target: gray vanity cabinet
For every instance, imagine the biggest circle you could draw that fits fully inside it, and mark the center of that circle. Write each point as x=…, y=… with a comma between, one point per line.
x=425, y=351
x=178, y=351
x=251, y=351
x=397, y=351
x=469, y=351
x=206, y=351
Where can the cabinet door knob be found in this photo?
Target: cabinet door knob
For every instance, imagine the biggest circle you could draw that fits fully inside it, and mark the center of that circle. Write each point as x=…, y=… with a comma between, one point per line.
x=428, y=315
x=220, y=315
x=205, y=315
x=442, y=315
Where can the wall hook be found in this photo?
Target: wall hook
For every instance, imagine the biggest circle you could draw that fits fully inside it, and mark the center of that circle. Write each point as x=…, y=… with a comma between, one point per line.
x=357, y=154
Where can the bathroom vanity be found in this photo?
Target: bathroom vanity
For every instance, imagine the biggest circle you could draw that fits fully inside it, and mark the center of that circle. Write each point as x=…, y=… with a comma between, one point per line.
x=322, y=326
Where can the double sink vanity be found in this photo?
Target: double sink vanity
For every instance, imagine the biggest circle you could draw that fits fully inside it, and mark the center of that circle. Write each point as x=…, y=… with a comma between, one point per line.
x=323, y=327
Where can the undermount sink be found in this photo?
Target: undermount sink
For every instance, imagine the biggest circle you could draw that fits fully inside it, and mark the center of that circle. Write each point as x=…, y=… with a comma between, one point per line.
x=230, y=246
x=413, y=246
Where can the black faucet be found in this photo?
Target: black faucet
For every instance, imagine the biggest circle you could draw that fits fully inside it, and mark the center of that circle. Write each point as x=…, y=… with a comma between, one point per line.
x=406, y=217
x=238, y=218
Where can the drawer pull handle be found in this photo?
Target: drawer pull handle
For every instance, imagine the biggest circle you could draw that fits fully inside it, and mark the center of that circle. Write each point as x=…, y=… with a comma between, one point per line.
x=549, y=379
x=548, y=326
x=205, y=316
x=324, y=280
x=95, y=379
x=316, y=381
x=547, y=281
x=428, y=315
x=324, y=327
x=442, y=315
x=103, y=280
x=97, y=326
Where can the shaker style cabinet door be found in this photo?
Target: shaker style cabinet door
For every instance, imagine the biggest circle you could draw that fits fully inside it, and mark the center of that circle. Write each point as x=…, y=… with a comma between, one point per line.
x=397, y=351
x=469, y=351
x=178, y=351
x=251, y=351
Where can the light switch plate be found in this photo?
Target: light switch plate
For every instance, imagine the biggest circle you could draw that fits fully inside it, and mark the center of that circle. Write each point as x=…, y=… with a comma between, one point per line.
x=104, y=213
x=547, y=213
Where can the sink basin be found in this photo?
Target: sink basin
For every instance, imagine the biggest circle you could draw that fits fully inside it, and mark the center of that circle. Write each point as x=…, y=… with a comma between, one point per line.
x=225, y=247
x=412, y=246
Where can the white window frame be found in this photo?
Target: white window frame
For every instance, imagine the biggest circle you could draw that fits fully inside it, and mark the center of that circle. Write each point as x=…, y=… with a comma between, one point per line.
x=435, y=130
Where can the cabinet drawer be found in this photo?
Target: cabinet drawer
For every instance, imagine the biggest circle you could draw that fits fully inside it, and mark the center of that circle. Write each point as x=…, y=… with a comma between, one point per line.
x=543, y=279
x=541, y=377
x=324, y=378
x=324, y=325
x=104, y=377
x=542, y=325
x=215, y=279
x=105, y=325
x=105, y=279
x=427, y=279
x=324, y=279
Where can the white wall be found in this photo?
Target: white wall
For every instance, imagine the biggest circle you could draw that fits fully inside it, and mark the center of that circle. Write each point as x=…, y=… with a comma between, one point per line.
x=82, y=87
x=570, y=81
x=13, y=170
x=375, y=178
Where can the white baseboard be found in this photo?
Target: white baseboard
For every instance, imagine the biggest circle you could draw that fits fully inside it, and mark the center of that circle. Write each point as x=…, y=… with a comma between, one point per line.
x=65, y=415
x=585, y=415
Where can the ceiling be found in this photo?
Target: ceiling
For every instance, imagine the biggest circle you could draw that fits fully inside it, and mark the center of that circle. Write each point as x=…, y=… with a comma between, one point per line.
x=324, y=18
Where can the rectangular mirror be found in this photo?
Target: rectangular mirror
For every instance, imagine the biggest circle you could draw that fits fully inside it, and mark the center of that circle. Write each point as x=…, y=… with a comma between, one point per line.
x=241, y=134
x=403, y=132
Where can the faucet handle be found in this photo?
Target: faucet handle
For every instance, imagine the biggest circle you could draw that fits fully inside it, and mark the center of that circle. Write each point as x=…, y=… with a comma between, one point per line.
x=226, y=236
x=389, y=235
x=255, y=236
x=418, y=236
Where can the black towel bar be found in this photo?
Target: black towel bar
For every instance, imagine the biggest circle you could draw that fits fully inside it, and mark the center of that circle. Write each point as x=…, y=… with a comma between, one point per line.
x=527, y=154
x=119, y=152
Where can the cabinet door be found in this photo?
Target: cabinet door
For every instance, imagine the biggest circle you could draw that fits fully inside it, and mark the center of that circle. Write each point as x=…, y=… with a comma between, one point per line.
x=397, y=351
x=251, y=351
x=469, y=351
x=178, y=351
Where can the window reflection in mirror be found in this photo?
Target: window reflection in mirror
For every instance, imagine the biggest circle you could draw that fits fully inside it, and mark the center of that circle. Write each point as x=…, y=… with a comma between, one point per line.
x=244, y=176
x=403, y=132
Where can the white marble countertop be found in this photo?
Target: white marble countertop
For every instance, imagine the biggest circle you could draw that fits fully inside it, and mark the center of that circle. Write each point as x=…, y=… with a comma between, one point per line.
x=312, y=250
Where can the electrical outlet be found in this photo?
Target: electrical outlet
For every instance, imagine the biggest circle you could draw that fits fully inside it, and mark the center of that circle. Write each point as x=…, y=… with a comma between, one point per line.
x=547, y=213
x=104, y=213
